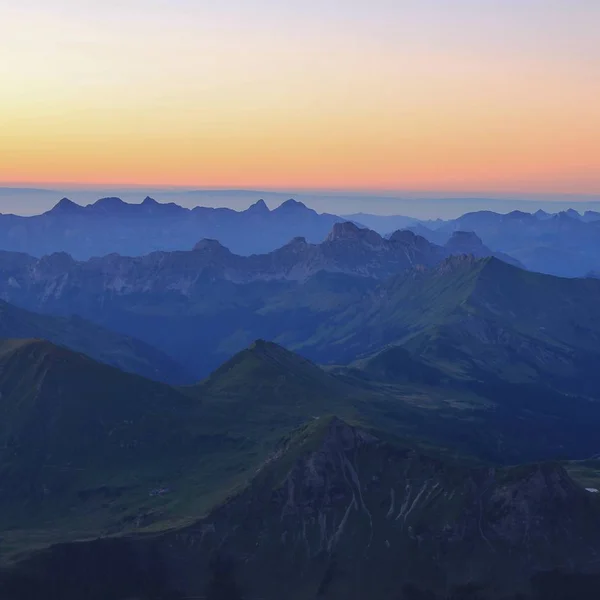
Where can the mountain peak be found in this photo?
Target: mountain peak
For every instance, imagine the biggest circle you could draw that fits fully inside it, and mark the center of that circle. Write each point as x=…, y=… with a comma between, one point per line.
x=109, y=204
x=464, y=241
x=324, y=435
x=57, y=262
x=347, y=230
x=297, y=242
x=496, y=268
x=265, y=359
x=208, y=245
x=460, y=261
x=292, y=206
x=109, y=201
x=468, y=242
x=258, y=207
x=566, y=217
x=340, y=433
x=153, y=207
x=403, y=236
x=570, y=215
x=65, y=206
x=261, y=345
x=518, y=215
x=275, y=353
x=413, y=241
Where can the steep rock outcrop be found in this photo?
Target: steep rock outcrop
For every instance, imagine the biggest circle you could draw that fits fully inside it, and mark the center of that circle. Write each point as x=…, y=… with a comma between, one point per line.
x=337, y=512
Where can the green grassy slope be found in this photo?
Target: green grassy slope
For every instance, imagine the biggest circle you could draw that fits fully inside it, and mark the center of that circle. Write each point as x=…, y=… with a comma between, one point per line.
x=84, y=446
x=478, y=319
x=87, y=450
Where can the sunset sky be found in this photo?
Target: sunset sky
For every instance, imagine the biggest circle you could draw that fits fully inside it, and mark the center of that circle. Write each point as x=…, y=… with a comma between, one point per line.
x=498, y=95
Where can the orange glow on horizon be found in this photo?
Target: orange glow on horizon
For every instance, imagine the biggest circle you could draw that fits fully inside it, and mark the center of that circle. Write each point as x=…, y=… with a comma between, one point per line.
x=336, y=110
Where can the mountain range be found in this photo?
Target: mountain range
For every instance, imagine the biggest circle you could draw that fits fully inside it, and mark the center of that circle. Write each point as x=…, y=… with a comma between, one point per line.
x=566, y=243
x=243, y=485
x=482, y=329
x=346, y=249
x=563, y=243
x=386, y=223
x=110, y=225
x=350, y=417
x=203, y=305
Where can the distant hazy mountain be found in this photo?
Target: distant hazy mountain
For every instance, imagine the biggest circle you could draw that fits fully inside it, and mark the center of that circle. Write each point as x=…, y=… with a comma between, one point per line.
x=334, y=301
x=468, y=242
x=156, y=295
x=566, y=243
x=80, y=335
x=423, y=205
x=346, y=249
x=111, y=225
x=382, y=224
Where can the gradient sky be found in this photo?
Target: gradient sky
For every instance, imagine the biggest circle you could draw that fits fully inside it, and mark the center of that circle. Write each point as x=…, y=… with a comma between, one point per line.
x=499, y=95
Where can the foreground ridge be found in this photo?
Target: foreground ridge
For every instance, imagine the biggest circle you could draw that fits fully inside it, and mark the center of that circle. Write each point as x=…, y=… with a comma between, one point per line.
x=335, y=504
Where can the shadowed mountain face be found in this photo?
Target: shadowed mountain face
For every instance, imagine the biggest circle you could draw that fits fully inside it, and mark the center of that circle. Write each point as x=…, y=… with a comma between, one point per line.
x=65, y=417
x=111, y=225
x=564, y=243
x=118, y=350
x=337, y=512
x=202, y=491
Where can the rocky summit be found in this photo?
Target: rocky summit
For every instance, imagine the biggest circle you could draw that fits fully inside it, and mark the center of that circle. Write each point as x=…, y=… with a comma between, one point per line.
x=337, y=512
x=347, y=249
x=352, y=516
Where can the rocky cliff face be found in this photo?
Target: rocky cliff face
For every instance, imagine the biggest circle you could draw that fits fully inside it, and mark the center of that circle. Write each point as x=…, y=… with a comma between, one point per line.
x=347, y=249
x=356, y=517
x=338, y=513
